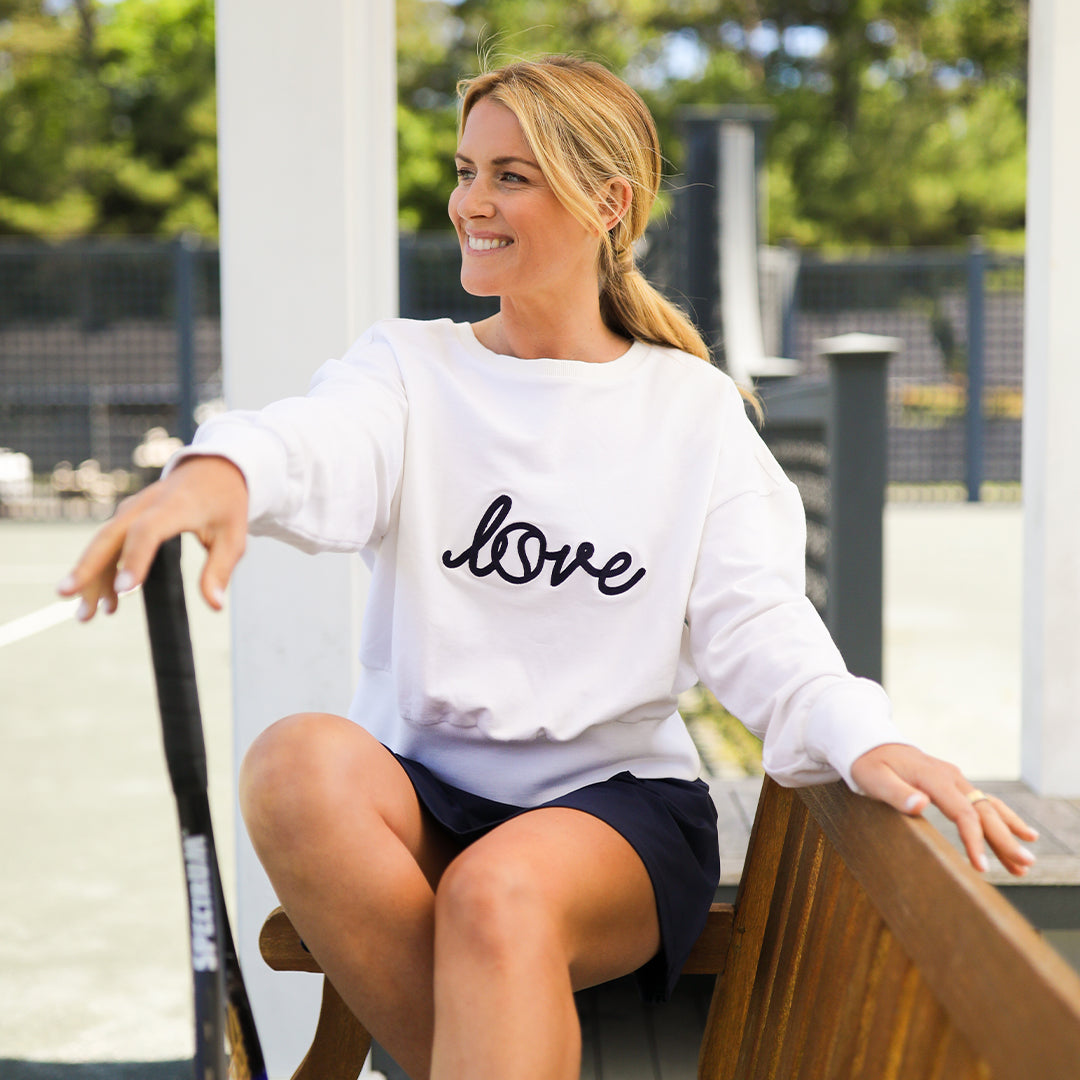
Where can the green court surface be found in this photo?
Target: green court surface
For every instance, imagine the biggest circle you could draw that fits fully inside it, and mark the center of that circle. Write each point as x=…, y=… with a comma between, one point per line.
x=93, y=950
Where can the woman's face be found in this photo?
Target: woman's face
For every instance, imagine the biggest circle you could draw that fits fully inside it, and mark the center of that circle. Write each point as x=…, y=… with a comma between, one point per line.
x=517, y=240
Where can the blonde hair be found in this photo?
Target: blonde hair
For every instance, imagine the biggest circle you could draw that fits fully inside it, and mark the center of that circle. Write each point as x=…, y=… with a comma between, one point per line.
x=586, y=127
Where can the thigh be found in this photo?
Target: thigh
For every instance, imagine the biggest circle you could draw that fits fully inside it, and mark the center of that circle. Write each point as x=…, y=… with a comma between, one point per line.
x=581, y=877
x=315, y=782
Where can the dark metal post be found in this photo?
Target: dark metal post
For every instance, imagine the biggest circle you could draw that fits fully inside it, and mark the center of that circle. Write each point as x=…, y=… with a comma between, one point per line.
x=697, y=209
x=697, y=218
x=787, y=341
x=975, y=440
x=185, y=248
x=857, y=473
x=407, y=272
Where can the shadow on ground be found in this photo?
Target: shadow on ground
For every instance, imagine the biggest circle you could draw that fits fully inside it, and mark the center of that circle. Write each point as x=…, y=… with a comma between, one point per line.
x=98, y=1070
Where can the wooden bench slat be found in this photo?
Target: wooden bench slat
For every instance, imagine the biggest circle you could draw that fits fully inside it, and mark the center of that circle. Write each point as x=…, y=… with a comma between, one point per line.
x=807, y=1016
x=728, y=1011
x=340, y=1045
x=281, y=948
x=925, y=1032
x=977, y=954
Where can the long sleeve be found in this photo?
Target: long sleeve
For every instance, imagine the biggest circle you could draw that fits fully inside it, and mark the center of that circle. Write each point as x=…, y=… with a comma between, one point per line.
x=323, y=470
x=757, y=641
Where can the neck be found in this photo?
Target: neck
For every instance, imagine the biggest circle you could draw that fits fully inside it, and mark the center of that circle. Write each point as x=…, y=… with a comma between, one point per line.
x=576, y=333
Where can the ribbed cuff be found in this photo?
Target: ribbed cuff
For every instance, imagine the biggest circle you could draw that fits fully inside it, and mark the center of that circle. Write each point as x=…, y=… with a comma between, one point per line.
x=850, y=718
x=258, y=454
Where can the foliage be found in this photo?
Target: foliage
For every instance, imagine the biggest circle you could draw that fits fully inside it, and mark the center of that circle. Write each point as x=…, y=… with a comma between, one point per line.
x=726, y=747
x=107, y=117
x=896, y=121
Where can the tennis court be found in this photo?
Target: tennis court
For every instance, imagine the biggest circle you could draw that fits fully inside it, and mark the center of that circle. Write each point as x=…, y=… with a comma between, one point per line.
x=93, y=950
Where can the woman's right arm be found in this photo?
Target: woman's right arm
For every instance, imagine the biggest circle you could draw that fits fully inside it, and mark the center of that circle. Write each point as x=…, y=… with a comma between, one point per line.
x=319, y=472
x=204, y=495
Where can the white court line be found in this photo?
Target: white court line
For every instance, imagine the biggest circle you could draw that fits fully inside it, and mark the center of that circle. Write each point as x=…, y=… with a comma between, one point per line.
x=36, y=621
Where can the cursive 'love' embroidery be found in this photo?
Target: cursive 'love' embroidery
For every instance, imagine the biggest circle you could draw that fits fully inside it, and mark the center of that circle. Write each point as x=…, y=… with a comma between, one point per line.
x=519, y=553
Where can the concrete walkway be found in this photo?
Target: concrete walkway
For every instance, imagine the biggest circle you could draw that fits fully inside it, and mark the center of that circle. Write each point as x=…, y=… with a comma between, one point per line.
x=93, y=954
x=953, y=630
x=93, y=951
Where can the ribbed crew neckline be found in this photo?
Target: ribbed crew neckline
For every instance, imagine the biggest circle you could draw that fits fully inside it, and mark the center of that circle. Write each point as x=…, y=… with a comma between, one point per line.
x=574, y=369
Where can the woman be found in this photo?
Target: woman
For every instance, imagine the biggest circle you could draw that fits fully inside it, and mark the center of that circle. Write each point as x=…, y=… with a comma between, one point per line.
x=569, y=519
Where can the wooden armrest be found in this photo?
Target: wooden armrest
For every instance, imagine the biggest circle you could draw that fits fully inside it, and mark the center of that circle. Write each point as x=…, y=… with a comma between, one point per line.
x=281, y=947
x=283, y=950
x=710, y=950
x=341, y=1042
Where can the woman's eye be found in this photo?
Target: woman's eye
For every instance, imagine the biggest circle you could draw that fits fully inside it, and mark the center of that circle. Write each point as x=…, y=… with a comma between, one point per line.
x=512, y=178
x=463, y=173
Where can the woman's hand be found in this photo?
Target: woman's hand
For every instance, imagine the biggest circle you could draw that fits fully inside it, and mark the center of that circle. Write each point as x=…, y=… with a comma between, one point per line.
x=203, y=495
x=909, y=780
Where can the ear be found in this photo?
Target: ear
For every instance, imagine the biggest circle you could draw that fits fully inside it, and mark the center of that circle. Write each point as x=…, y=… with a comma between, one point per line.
x=615, y=198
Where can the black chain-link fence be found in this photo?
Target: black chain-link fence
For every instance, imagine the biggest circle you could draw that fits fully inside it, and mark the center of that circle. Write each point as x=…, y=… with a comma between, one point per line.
x=96, y=355
x=107, y=346
x=932, y=302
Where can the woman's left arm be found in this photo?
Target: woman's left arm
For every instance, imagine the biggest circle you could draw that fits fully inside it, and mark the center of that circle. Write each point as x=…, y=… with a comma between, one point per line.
x=909, y=780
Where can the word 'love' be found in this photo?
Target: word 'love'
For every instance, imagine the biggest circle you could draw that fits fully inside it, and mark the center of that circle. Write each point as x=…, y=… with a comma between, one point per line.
x=519, y=553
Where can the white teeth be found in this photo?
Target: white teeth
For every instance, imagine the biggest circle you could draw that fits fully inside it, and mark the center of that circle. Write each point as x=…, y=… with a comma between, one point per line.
x=478, y=244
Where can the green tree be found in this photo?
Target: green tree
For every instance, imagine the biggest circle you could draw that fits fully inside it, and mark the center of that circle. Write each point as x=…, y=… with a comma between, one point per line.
x=107, y=117
x=896, y=121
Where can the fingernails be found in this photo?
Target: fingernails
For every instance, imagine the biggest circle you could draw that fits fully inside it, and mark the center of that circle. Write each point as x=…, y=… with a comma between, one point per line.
x=217, y=594
x=84, y=610
x=982, y=862
x=913, y=802
x=67, y=585
x=1024, y=855
x=125, y=581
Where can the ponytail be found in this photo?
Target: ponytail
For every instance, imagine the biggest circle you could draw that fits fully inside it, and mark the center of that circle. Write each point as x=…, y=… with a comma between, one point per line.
x=633, y=308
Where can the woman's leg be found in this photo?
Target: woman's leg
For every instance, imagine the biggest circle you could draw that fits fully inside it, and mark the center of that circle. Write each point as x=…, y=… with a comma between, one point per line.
x=354, y=860
x=549, y=902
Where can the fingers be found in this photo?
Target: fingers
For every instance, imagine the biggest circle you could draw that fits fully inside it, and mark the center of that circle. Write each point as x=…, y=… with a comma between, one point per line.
x=93, y=577
x=1000, y=826
x=1013, y=821
x=880, y=781
x=204, y=495
x=909, y=780
x=223, y=553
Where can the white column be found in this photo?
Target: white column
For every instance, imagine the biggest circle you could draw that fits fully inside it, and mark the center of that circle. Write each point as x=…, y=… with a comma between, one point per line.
x=1050, y=750
x=306, y=97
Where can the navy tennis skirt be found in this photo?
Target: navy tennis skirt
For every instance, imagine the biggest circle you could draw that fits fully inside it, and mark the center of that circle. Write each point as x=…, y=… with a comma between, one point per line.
x=671, y=824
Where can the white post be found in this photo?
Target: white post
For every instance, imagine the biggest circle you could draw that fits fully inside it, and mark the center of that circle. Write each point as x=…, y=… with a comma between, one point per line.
x=308, y=188
x=1050, y=750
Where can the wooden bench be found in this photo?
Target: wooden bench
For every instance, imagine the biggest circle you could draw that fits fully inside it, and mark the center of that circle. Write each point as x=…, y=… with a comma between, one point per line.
x=859, y=945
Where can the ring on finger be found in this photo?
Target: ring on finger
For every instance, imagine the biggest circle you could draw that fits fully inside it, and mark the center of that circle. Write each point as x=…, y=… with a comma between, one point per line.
x=976, y=796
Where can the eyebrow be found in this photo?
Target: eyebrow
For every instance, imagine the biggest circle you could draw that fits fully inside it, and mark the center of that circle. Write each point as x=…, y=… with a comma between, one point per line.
x=508, y=160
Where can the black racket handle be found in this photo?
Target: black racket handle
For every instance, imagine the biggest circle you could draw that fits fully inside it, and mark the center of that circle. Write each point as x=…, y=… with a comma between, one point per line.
x=174, y=670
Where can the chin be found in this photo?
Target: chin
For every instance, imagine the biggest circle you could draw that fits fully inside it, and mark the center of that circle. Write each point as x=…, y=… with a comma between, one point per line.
x=475, y=287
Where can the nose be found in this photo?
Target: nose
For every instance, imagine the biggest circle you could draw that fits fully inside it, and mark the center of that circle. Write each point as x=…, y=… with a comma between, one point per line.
x=474, y=199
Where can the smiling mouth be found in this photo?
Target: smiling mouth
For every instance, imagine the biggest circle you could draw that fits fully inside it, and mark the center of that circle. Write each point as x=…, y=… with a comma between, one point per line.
x=476, y=243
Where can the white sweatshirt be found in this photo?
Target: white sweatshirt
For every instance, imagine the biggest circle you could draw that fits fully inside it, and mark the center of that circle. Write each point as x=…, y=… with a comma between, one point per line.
x=558, y=549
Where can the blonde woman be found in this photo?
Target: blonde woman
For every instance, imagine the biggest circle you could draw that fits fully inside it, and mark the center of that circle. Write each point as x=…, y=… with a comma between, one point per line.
x=569, y=519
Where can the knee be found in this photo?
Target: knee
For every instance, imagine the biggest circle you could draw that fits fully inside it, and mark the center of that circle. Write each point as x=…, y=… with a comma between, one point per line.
x=286, y=770
x=492, y=907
